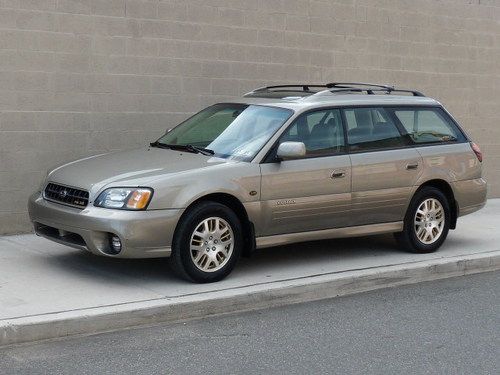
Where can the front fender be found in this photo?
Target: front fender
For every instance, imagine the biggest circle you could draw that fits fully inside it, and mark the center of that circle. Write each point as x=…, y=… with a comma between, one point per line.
x=241, y=180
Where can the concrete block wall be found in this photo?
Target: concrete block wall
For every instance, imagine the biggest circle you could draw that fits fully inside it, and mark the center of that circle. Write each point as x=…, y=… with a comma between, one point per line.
x=81, y=77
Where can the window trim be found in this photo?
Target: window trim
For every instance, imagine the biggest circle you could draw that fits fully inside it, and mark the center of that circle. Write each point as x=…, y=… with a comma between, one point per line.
x=410, y=143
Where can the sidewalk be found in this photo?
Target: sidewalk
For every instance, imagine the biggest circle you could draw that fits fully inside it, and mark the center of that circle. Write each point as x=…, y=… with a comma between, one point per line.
x=49, y=290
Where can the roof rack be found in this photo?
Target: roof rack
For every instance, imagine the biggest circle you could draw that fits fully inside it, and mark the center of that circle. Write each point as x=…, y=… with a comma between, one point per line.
x=354, y=86
x=351, y=84
x=284, y=91
x=301, y=90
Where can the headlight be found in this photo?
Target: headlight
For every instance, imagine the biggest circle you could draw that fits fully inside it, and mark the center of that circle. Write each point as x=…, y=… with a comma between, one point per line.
x=124, y=198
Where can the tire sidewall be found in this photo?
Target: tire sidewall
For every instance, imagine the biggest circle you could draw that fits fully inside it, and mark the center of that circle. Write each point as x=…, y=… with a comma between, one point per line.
x=182, y=238
x=417, y=200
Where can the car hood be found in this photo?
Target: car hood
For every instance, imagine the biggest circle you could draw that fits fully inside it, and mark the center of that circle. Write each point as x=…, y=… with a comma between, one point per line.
x=128, y=168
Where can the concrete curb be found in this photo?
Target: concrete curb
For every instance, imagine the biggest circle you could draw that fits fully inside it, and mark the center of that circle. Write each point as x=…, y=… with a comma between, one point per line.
x=251, y=297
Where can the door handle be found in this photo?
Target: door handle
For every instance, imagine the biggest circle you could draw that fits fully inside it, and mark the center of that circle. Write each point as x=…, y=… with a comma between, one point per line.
x=338, y=173
x=411, y=166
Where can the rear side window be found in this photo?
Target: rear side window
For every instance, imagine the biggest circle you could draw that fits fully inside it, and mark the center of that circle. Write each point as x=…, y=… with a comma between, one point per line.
x=428, y=125
x=371, y=129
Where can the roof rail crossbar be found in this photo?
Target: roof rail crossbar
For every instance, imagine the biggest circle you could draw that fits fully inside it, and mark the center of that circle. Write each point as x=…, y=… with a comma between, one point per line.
x=303, y=87
x=354, y=84
x=347, y=89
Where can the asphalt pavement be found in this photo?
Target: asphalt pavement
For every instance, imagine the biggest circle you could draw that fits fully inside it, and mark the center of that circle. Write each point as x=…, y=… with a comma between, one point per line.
x=449, y=326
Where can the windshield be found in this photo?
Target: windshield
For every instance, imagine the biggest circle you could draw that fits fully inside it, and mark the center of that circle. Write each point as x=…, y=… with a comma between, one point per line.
x=234, y=131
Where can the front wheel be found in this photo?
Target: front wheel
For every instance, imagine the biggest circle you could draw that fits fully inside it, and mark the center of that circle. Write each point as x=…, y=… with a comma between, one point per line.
x=207, y=243
x=426, y=223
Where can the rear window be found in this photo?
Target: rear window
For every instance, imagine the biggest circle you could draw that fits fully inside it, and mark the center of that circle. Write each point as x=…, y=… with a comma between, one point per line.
x=428, y=125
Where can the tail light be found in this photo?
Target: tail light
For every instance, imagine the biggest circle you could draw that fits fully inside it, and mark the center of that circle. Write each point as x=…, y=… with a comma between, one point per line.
x=477, y=151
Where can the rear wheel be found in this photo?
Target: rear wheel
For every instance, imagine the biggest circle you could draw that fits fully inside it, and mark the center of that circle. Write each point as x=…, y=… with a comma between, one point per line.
x=426, y=223
x=207, y=243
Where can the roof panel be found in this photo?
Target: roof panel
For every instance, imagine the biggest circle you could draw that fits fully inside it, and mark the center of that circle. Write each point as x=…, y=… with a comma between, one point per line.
x=339, y=100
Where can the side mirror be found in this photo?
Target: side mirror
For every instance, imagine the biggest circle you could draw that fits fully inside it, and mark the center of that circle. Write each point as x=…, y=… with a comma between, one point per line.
x=291, y=150
x=168, y=131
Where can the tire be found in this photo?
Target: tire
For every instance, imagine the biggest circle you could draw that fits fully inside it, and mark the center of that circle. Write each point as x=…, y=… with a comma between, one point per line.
x=207, y=243
x=424, y=232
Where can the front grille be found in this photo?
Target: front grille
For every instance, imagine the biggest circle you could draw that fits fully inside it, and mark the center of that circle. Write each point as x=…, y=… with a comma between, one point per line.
x=66, y=195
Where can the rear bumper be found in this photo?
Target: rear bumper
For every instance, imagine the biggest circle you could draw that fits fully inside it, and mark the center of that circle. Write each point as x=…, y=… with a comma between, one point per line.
x=144, y=234
x=470, y=195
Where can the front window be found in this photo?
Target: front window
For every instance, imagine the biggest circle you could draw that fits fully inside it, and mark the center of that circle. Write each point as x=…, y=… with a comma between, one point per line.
x=320, y=131
x=233, y=131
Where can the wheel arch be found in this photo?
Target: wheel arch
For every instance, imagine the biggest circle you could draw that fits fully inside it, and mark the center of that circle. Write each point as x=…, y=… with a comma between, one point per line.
x=238, y=208
x=447, y=190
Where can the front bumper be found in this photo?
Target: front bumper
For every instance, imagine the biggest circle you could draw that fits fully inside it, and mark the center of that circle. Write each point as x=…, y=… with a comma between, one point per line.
x=144, y=234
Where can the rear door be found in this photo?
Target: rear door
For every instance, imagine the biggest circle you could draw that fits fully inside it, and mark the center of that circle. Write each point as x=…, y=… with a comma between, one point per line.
x=314, y=192
x=385, y=166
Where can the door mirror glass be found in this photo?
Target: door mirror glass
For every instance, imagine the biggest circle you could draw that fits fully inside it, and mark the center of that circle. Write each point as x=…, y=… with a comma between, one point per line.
x=291, y=150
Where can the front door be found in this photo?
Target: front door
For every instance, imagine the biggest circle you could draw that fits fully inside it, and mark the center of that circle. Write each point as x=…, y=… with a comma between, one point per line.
x=314, y=192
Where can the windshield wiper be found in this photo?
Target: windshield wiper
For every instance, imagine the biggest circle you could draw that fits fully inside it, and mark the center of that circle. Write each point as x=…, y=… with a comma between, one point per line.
x=200, y=150
x=159, y=144
x=188, y=148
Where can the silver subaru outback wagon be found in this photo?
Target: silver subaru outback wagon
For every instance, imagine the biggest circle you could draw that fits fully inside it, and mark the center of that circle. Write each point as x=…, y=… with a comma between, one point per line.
x=284, y=164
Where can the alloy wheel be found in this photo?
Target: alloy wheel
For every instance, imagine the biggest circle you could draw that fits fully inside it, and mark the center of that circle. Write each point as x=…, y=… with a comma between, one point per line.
x=211, y=244
x=429, y=221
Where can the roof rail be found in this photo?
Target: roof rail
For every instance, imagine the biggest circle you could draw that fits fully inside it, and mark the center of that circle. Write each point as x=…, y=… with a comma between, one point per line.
x=354, y=86
x=334, y=87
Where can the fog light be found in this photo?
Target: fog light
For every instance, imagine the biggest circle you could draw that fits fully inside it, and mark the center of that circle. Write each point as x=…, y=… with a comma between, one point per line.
x=116, y=244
